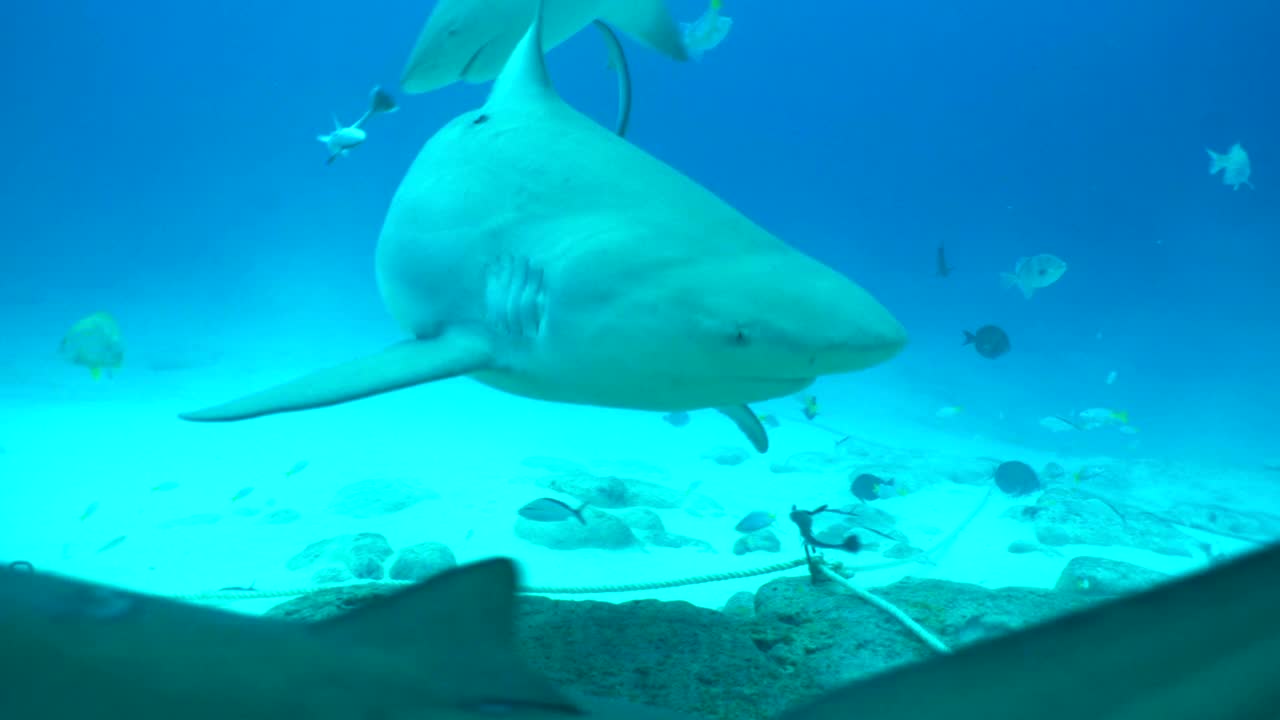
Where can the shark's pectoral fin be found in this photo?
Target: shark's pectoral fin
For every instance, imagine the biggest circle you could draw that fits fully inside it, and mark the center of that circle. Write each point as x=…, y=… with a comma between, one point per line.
x=456, y=632
x=749, y=423
x=650, y=22
x=408, y=363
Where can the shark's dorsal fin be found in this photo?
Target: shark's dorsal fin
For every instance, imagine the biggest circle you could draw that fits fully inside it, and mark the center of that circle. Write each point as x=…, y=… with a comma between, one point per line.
x=524, y=79
x=457, y=631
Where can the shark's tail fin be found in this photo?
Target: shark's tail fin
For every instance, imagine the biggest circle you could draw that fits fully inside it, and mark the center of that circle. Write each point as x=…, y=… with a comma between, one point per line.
x=1217, y=161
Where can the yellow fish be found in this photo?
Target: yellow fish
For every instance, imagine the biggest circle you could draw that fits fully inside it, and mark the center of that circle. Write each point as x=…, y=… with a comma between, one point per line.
x=94, y=342
x=810, y=409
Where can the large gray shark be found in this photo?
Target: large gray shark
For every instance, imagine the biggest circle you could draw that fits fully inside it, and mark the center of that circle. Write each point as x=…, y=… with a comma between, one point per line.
x=1204, y=647
x=534, y=251
x=471, y=39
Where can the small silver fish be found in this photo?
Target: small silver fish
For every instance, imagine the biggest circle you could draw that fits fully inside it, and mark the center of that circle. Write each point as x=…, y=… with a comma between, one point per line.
x=753, y=521
x=243, y=493
x=1033, y=273
x=551, y=510
x=1235, y=163
x=165, y=486
x=89, y=511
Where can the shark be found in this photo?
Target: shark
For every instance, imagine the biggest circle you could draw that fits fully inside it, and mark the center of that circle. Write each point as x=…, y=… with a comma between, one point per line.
x=534, y=251
x=470, y=40
x=1201, y=647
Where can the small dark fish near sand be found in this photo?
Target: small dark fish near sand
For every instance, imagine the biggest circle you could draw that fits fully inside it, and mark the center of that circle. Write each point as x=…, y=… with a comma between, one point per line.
x=990, y=341
x=251, y=587
x=551, y=510
x=754, y=521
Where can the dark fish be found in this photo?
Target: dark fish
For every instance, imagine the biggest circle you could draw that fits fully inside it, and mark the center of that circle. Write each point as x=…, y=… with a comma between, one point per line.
x=114, y=543
x=240, y=588
x=757, y=520
x=551, y=510
x=943, y=268
x=677, y=419
x=990, y=341
x=1016, y=478
x=867, y=486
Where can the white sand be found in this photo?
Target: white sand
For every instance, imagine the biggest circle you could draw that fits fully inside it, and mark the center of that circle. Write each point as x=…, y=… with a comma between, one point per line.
x=66, y=442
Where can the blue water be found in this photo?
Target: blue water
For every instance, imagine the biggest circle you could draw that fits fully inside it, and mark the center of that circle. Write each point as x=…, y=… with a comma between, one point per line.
x=160, y=162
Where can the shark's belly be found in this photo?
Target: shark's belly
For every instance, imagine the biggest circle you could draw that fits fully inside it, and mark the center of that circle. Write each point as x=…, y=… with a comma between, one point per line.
x=568, y=379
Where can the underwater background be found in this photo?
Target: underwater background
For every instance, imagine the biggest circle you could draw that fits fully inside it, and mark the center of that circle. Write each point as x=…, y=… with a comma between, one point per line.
x=161, y=165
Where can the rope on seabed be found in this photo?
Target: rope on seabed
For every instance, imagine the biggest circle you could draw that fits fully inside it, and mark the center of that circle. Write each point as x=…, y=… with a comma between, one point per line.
x=237, y=595
x=535, y=590
x=929, y=638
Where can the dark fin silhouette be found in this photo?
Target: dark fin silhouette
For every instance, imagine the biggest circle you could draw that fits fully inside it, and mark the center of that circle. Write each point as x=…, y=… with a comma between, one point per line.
x=1201, y=647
